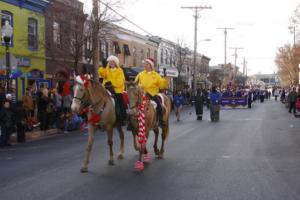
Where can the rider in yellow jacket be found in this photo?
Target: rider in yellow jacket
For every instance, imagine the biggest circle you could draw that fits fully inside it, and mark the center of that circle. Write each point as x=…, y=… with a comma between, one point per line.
x=152, y=82
x=114, y=81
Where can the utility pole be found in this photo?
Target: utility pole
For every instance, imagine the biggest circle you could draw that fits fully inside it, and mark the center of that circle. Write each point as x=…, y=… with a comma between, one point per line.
x=235, y=59
x=244, y=72
x=246, y=69
x=225, y=50
x=196, y=16
x=293, y=31
x=95, y=38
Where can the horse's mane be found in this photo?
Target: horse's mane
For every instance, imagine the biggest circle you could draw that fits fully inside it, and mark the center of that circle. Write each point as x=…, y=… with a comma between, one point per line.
x=96, y=84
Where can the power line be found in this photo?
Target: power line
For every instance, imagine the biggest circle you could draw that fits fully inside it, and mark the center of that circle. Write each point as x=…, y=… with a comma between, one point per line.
x=123, y=17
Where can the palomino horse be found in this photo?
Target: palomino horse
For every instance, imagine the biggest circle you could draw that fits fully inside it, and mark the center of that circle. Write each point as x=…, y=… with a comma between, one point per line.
x=102, y=109
x=135, y=96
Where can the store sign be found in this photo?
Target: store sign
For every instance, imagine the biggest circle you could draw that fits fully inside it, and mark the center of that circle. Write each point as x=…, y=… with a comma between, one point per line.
x=170, y=72
x=23, y=62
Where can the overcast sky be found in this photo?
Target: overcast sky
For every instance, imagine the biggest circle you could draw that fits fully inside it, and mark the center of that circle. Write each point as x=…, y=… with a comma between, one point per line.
x=260, y=26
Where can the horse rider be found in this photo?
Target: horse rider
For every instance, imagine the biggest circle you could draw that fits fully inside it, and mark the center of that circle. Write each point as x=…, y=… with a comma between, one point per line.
x=152, y=82
x=114, y=81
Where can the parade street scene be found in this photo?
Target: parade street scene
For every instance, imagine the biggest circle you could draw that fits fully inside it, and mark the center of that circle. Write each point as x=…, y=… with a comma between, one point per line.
x=150, y=100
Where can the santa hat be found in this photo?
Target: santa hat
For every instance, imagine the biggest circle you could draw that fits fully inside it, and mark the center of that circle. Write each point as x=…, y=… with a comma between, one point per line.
x=114, y=59
x=150, y=61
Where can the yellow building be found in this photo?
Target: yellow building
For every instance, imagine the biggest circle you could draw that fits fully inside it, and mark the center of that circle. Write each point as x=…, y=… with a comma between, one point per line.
x=27, y=46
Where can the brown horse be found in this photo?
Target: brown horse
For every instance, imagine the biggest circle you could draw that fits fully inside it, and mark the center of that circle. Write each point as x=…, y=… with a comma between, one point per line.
x=135, y=96
x=101, y=104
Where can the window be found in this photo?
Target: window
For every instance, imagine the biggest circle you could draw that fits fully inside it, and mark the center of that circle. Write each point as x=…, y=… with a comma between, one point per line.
x=162, y=57
x=88, y=48
x=155, y=57
x=148, y=53
x=117, y=49
x=167, y=57
x=126, y=50
x=103, y=50
x=7, y=16
x=134, y=56
x=32, y=34
x=142, y=55
x=56, y=34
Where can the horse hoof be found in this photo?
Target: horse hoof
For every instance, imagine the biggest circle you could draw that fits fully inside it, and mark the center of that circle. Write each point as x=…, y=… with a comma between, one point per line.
x=160, y=157
x=156, y=152
x=111, y=162
x=147, y=158
x=84, y=170
x=121, y=157
x=139, y=166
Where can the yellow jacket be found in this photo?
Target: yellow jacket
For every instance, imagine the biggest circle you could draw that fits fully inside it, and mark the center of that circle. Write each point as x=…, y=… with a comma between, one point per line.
x=151, y=82
x=115, y=76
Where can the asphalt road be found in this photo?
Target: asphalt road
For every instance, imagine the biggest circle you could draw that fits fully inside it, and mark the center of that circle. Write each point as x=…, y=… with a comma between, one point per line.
x=249, y=154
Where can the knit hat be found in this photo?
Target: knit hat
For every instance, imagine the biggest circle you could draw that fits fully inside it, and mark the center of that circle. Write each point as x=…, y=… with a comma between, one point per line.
x=8, y=96
x=150, y=61
x=114, y=59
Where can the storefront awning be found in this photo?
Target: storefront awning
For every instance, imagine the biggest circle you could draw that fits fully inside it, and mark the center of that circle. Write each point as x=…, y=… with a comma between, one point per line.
x=170, y=72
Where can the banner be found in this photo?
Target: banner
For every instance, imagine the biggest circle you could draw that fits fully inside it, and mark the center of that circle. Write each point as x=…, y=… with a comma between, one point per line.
x=234, y=102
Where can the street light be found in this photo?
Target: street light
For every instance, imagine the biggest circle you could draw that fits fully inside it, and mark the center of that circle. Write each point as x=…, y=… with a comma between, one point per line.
x=7, y=32
x=204, y=40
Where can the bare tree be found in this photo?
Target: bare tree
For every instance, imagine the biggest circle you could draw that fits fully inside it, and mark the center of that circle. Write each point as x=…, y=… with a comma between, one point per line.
x=65, y=34
x=182, y=53
x=99, y=27
x=216, y=77
x=287, y=60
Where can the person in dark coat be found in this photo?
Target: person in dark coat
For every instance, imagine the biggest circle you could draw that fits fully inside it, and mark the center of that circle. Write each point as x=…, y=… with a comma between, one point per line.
x=20, y=121
x=250, y=99
x=7, y=123
x=2, y=96
x=292, y=99
x=42, y=109
x=199, y=100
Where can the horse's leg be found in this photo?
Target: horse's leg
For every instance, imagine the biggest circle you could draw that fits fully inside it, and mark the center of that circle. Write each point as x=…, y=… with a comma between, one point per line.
x=110, y=144
x=134, y=134
x=165, y=130
x=121, y=135
x=156, y=133
x=91, y=138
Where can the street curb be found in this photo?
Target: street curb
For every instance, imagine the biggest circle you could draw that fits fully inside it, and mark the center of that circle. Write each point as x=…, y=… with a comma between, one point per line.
x=36, y=135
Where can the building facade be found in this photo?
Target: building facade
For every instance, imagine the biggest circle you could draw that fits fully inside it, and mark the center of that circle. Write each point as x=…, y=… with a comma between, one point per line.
x=65, y=39
x=27, y=52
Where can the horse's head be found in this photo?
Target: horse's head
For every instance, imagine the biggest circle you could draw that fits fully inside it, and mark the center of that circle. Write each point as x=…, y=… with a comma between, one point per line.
x=80, y=89
x=135, y=94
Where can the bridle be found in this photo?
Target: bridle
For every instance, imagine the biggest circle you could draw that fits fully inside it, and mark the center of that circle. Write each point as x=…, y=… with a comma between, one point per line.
x=138, y=102
x=80, y=100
